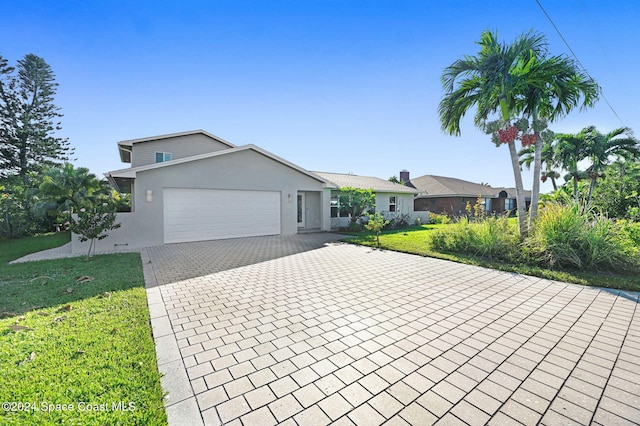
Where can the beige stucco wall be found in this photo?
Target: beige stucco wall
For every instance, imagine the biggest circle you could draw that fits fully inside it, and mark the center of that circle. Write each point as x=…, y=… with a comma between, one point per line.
x=242, y=170
x=184, y=146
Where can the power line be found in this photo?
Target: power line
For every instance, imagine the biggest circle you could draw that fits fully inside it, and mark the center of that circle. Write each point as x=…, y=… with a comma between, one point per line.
x=578, y=60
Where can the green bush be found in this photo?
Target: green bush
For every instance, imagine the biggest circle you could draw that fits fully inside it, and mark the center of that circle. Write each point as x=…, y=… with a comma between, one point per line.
x=489, y=237
x=567, y=237
x=399, y=221
x=439, y=219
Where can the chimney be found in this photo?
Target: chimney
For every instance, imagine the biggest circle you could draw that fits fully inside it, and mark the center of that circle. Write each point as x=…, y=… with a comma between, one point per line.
x=404, y=176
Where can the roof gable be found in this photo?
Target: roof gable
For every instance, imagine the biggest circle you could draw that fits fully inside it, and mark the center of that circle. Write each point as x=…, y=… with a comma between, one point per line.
x=132, y=171
x=125, y=147
x=130, y=142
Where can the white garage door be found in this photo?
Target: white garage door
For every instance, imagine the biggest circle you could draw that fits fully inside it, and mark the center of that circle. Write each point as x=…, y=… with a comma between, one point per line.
x=209, y=214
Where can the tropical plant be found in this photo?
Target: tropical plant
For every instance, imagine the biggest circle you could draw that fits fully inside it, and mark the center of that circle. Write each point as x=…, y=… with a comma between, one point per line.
x=18, y=197
x=599, y=149
x=548, y=158
x=491, y=237
x=565, y=236
x=602, y=148
x=70, y=188
x=618, y=191
x=550, y=88
x=513, y=81
x=570, y=150
x=488, y=82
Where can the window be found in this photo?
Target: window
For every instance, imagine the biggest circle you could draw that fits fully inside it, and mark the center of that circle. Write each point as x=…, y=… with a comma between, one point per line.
x=392, y=204
x=163, y=156
x=336, y=209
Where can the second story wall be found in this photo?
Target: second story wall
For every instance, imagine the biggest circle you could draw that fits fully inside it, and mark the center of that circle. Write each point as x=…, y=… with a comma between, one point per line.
x=176, y=147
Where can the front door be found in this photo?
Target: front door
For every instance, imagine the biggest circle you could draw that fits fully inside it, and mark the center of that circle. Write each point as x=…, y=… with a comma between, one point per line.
x=301, y=210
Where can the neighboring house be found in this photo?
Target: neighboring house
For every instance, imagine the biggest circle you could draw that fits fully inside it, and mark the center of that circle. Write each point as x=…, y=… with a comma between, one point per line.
x=391, y=199
x=194, y=186
x=439, y=194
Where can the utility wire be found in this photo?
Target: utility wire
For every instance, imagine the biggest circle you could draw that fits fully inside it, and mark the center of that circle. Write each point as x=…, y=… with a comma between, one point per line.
x=578, y=60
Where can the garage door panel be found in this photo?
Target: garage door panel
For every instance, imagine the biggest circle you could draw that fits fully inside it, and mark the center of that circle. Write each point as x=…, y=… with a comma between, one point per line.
x=204, y=214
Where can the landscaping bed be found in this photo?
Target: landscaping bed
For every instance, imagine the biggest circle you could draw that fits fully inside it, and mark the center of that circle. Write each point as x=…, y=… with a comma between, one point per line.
x=418, y=240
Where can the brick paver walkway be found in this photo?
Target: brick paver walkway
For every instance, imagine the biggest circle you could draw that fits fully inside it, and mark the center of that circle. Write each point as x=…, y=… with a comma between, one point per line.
x=313, y=333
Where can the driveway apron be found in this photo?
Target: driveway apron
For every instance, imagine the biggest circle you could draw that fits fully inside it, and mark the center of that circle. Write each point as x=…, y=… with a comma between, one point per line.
x=307, y=330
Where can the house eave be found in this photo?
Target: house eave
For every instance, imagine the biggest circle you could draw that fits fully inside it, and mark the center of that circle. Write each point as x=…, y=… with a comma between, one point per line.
x=130, y=173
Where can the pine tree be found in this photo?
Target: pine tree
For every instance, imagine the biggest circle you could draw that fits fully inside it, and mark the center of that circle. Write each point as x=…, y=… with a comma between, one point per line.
x=28, y=118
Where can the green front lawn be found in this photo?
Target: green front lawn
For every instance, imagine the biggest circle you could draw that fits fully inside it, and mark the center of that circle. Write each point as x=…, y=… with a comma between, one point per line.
x=14, y=249
x=75, y=340
x=417, y=241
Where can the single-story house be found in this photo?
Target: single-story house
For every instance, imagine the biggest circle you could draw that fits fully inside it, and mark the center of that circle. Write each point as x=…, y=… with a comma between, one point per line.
x=391, y=199
x=439, y=194
x=194, y=186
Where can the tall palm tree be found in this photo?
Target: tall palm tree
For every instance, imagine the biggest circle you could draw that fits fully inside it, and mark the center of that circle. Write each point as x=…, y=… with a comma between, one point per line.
x=551, y=87
x=489, y=81
x=601, y=148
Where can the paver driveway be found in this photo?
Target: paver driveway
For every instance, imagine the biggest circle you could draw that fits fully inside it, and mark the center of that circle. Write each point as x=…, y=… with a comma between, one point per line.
x=307, y=330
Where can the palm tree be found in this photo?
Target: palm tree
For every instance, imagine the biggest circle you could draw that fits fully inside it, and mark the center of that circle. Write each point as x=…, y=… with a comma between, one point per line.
x=570, y=150
x=490, y=81
x=69, y=188
x=547, y=157
x=601, y=148
x=551, y=87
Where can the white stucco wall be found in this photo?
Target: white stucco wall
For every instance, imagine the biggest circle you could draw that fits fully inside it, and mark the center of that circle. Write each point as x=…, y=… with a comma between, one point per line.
x=404, y=205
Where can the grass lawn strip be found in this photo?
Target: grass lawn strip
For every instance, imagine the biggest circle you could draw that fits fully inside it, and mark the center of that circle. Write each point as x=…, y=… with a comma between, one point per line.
x=14, y=249
x=76, y=344
x=417, y=241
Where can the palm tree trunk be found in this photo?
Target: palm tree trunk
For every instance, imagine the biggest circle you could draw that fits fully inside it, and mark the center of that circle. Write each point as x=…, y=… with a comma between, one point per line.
x=535, y=189
x=592, y=186
x=521, y=205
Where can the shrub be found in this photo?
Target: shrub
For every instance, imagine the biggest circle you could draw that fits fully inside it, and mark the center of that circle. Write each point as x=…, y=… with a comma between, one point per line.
x=92, y=224
x=489, y=237
x=400, y=221
x=375, y=224
x=567, y=237
x=439, y=219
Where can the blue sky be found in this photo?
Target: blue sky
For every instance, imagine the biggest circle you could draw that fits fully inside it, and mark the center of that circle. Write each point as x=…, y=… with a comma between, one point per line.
x=339, y=86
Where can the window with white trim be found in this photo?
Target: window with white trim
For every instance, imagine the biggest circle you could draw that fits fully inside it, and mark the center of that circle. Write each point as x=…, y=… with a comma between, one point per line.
x=336, y=209
x=162, y=157
x=392, y=204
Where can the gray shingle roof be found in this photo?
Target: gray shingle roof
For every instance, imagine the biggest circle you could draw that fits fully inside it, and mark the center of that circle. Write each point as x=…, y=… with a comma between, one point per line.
x=440, y=186
x=365, y=182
